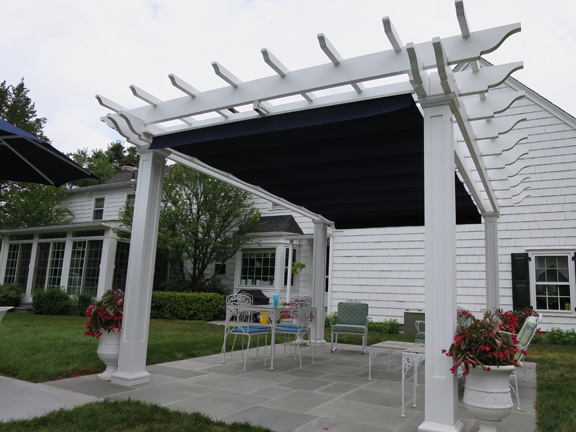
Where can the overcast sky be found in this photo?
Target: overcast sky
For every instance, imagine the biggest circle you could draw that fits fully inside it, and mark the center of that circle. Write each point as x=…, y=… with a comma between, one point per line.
x=68, y=51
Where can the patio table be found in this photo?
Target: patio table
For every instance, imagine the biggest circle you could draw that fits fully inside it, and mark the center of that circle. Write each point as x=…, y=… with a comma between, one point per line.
x=274, y=314
x=388, y=347
x=411, y=358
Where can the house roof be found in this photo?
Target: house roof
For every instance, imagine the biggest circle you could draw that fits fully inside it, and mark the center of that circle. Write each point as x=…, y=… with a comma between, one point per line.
x=278, y=224
x=359, y=164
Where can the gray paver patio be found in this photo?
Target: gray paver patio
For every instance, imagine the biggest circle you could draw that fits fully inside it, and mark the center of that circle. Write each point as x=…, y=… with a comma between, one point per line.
x=333, y=393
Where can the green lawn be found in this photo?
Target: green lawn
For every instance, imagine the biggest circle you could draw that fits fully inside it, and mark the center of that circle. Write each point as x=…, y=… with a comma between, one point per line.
x=42, y=348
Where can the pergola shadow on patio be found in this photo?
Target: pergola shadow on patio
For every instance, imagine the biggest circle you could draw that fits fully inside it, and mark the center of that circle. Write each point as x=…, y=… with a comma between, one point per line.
x=333, y=393
x=343, y=145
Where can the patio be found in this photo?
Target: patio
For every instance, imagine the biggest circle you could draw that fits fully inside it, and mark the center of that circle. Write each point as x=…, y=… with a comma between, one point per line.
x=332, y=394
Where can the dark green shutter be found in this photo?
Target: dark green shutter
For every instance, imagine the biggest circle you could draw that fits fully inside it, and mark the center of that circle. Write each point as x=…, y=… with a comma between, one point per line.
x=520, y=281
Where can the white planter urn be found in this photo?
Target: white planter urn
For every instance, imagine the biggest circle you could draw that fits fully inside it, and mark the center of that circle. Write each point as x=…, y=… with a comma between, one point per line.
x=487, y=395
x=108, y=351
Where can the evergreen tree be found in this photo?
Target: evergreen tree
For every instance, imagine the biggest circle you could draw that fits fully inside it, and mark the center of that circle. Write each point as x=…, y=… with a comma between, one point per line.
x=17, y=108
x=104, y=163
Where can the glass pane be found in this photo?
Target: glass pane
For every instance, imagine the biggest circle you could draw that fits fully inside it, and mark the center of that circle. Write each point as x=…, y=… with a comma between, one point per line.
x=42, y=258
x=540, y=290
x=565, y=304
x=553, y=290
x=24, y=264
x=553, y=303
x=563, y=275
x=76, y=267
x=56, y=264
x=564, y=290
x=541, y=303
x=92, y=267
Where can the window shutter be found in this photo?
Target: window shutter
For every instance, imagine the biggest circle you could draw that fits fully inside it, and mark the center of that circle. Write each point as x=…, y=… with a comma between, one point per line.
x=520, y=281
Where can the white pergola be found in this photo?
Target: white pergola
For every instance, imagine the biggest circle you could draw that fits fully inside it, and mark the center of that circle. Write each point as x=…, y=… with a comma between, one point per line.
x=460, y=130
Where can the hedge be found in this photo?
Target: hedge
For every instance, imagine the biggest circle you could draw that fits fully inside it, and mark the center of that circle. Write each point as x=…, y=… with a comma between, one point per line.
x=186, y=306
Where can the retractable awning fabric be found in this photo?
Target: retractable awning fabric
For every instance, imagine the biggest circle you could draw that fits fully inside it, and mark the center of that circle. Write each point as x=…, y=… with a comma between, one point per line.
x=359, y=164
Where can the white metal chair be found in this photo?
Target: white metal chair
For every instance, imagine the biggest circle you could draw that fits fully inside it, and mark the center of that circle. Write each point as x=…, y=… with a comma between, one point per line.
x=524, y=337
x=301, y=319
x=239, y=323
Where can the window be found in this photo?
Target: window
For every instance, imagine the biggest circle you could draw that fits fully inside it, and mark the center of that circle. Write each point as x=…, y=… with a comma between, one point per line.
x=130, y=199
x=98, y=209
x=18, y=264
x=121, y=266
x=49, y=263
x=84, y=267
x=552, y=282
x=258, y=266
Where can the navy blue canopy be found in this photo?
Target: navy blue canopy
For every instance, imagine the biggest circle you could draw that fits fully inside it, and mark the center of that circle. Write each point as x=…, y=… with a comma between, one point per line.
x=26, y=158
x=359, y=164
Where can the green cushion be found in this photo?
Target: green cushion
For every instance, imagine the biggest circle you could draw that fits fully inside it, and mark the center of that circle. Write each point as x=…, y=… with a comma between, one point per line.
x=352, y=314
x=348, y=329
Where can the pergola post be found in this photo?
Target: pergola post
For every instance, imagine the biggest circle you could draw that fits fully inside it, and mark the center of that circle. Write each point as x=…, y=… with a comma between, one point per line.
x=134, y=340
x=440, y=244
x=319, y=277
x=492, y=262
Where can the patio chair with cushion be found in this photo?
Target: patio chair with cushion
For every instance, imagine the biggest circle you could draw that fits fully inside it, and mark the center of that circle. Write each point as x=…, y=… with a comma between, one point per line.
x=524, y=337
x=351, y=318
x=239, y=323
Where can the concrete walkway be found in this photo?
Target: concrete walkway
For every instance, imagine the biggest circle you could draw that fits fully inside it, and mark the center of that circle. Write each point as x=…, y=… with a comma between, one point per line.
x=333, y=393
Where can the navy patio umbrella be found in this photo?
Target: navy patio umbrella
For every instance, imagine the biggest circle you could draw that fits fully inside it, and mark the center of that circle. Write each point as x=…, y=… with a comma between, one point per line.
x=26, y=158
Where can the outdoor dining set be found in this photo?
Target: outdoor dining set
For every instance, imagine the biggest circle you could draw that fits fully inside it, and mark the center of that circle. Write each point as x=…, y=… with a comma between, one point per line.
x=294, y=321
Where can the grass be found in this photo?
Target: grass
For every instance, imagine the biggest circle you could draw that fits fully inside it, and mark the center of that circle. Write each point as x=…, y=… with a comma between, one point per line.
x=556, y=386
x=30, y=350
x=124, y=416
x=37, y=349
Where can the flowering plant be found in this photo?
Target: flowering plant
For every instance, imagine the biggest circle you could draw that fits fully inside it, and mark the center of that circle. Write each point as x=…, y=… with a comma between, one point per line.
x=106, y=314
x=512, y=321
x=483, y=343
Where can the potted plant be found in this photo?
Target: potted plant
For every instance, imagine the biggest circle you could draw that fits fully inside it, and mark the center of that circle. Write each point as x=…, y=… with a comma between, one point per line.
x=486, y=355
x=297, y=267
x=105, y=323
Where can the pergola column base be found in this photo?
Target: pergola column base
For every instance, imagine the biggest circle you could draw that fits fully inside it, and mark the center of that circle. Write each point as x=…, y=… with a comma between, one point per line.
x=437, y=427
x=129, y=379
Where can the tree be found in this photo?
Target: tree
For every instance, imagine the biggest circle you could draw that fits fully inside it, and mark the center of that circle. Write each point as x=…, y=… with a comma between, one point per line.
x=17, y=108
x=104, y=163
x=202, y=221
x=32, y=205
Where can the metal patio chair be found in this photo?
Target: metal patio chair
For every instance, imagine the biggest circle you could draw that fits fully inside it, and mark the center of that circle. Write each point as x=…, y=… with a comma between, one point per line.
x=239, y=323
x=300, y=327
x=351, y=318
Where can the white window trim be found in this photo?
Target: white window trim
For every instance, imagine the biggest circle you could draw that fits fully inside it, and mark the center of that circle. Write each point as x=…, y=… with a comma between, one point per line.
x=94, y=208
x=568, y=252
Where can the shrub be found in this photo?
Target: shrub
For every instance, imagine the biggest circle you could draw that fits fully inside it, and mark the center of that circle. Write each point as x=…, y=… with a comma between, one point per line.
x=186, y=306
x=53, y=301
x=557, y=336
x=82, y=302
x=10, y=294
x=389, y=326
